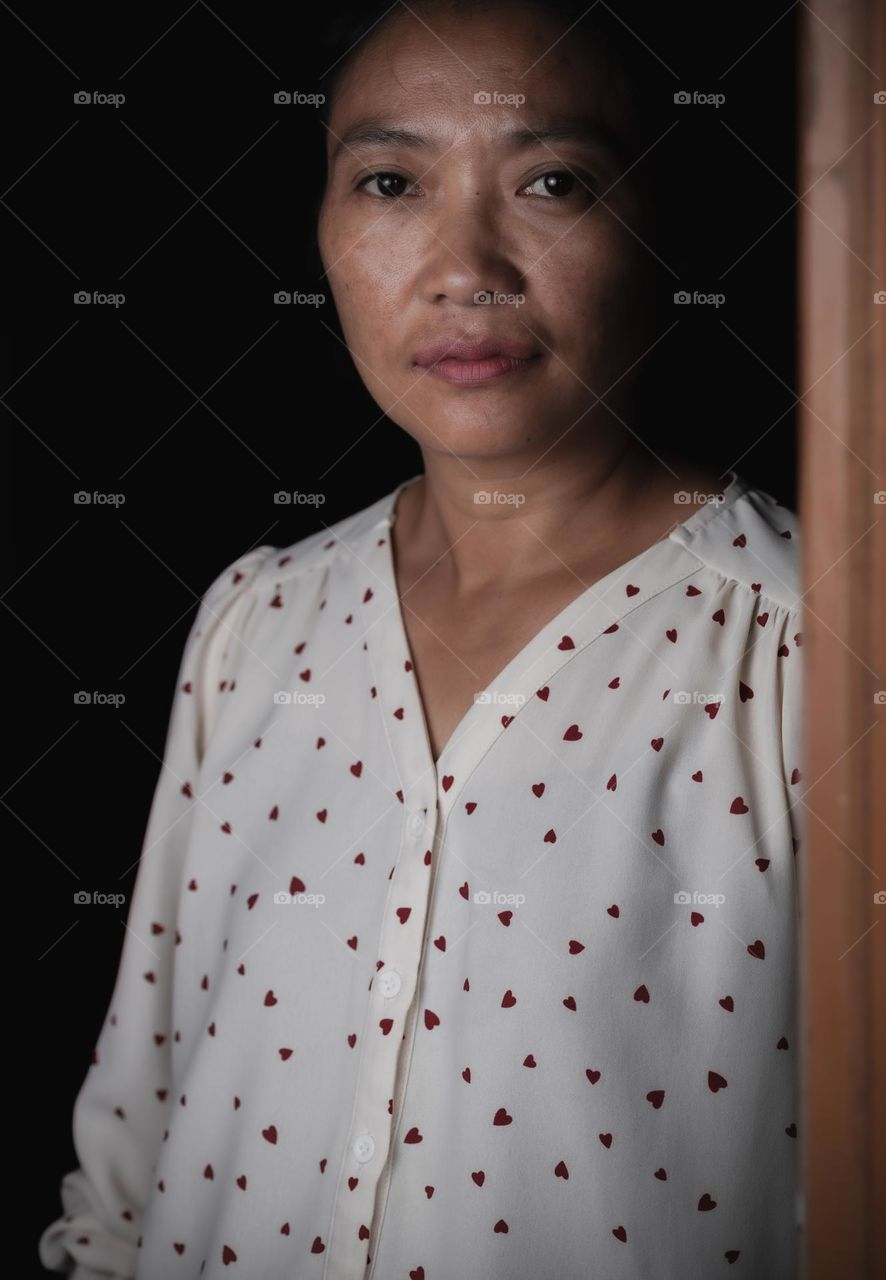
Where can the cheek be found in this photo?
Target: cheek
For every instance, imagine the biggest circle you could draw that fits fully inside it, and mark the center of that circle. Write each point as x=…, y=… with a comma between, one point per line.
x=362, y=297
x=598, y=260
x=606, y=267
x=359, y=242
x=366, y=282
x=592, y=295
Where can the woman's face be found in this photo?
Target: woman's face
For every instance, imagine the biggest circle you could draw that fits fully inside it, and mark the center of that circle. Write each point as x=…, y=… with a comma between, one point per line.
x=476, y=196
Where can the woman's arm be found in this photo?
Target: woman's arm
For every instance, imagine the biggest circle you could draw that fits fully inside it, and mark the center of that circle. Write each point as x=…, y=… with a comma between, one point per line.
x=120, y=1111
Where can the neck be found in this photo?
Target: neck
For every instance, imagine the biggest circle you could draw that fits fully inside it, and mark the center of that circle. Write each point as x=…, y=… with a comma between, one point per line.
x=490, y=524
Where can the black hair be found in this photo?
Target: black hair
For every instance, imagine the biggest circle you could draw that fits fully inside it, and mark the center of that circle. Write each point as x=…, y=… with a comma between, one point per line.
x=630, y=40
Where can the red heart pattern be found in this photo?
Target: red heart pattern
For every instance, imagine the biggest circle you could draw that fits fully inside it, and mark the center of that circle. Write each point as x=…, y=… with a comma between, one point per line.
x=388, y=973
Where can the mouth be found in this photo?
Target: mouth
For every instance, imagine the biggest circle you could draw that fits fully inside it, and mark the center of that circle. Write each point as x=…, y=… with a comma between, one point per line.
x=469, y=363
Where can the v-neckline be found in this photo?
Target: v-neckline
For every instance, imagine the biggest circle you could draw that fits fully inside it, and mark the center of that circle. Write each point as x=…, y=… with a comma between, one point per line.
x=539, y=654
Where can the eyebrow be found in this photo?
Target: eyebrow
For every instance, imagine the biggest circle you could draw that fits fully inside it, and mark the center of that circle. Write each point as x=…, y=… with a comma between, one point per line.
x=369, y=133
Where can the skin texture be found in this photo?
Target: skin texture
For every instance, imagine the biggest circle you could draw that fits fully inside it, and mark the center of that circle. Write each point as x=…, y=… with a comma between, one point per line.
x=471, y=212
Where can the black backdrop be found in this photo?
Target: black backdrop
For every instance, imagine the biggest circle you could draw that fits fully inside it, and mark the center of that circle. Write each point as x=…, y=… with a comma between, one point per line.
x=198, y=398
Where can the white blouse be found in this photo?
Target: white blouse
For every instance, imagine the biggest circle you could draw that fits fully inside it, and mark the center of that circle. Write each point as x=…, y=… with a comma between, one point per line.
x=527, y=1014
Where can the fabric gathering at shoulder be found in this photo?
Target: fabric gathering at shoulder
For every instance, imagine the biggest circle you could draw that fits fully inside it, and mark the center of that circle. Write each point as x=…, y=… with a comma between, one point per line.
x=345, y=537
x=754, y=541
x=218, y=629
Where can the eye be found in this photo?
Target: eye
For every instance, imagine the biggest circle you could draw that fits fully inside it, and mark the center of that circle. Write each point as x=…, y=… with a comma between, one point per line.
x=560, y=183
x=390, y=183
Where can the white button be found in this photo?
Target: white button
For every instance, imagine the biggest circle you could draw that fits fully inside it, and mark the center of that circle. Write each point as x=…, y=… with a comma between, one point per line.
x=416, y=824
x=364, y=1148
x=389, y=982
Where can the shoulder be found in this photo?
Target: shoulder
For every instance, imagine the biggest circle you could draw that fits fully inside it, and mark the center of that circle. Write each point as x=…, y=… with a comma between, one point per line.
x=750, y=539
x=265, y=567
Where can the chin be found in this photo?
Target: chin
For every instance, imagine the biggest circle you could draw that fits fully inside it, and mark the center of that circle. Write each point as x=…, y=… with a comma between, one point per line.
x=483, y=434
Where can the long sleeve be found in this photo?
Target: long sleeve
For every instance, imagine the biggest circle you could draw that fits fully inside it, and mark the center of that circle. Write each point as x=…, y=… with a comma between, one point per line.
x=119, y=1113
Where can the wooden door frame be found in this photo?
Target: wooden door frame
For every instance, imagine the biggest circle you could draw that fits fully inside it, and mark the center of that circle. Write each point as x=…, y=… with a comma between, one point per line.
x=842, y=860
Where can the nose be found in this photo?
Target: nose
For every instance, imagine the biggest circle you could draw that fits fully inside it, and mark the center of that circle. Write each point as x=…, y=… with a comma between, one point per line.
x=467, y=255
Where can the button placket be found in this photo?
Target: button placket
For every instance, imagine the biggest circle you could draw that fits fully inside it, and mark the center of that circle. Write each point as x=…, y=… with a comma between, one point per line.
x=391, y=996
x=402, y=930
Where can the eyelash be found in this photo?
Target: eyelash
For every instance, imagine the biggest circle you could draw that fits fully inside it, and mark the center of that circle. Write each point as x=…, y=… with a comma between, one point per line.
x=584, y=186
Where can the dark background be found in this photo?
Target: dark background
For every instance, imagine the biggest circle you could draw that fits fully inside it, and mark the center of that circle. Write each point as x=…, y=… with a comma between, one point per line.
x=198, y=398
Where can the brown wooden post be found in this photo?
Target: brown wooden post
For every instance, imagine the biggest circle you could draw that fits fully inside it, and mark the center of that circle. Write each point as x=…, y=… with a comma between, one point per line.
x=842, y=375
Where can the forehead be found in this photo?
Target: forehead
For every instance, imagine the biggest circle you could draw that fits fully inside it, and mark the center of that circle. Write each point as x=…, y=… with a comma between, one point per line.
x=433, y=64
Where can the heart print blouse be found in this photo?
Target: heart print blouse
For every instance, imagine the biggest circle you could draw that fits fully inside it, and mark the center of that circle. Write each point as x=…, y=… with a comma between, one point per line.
x=525, y=1013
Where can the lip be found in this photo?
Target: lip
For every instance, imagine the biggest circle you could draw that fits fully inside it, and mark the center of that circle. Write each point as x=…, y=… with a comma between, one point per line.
x=467, y=362
x=473, y=349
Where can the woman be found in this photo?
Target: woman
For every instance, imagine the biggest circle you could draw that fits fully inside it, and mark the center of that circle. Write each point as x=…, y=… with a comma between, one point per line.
x=463, y=937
